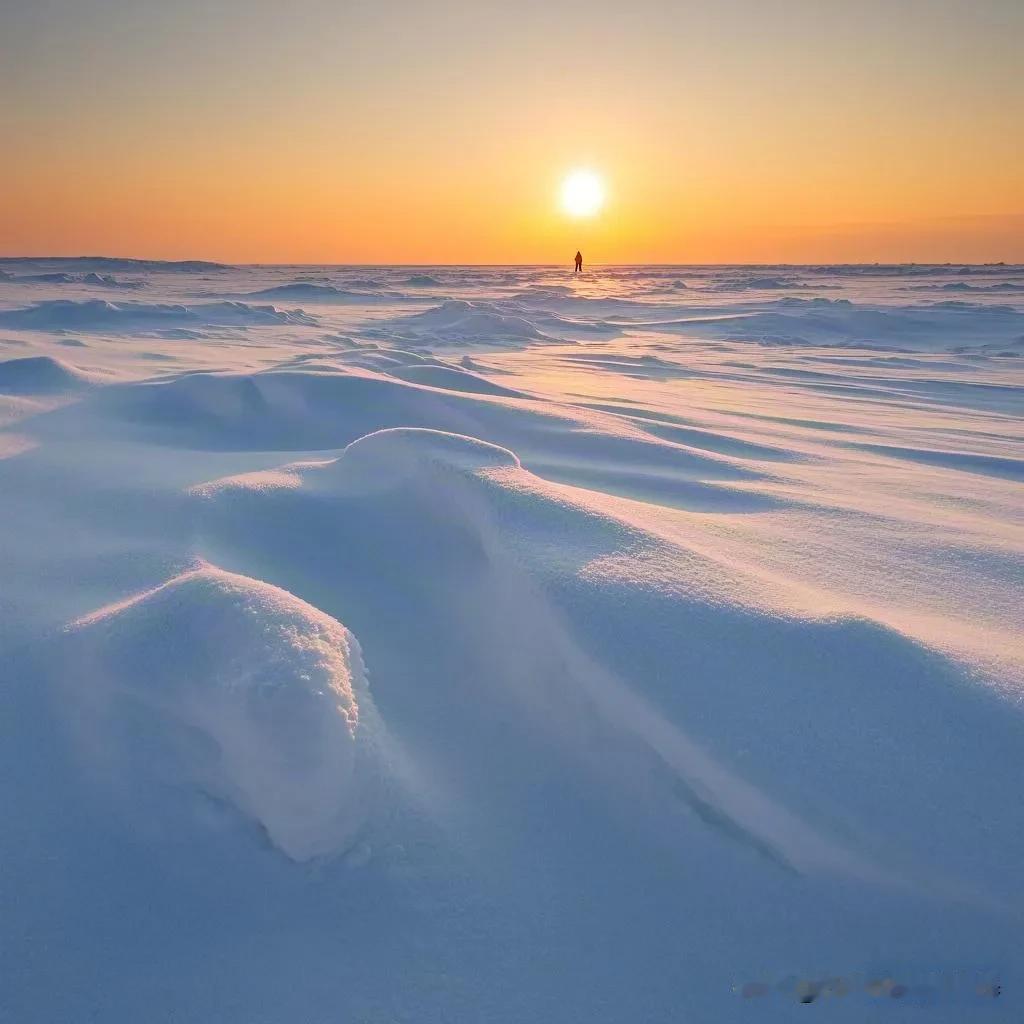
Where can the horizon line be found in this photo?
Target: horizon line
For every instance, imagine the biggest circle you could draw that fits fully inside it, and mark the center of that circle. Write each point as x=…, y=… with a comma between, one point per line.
x=737, y=263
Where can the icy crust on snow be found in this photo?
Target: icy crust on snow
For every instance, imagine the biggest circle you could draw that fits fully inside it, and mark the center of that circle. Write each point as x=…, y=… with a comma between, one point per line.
x=272, y=685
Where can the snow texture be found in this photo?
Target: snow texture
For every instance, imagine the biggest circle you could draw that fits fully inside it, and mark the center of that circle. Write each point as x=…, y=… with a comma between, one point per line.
x=270, y=683
x=690, y=597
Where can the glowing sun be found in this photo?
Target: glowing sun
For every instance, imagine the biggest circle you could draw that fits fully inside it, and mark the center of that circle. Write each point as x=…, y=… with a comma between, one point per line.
x=582, y=194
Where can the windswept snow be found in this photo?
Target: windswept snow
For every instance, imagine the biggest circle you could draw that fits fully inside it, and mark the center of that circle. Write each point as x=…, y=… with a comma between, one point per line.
x=459, y=321
x=690, y=598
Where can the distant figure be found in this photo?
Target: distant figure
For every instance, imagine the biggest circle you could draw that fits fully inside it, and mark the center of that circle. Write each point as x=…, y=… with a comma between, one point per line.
x=579, y=262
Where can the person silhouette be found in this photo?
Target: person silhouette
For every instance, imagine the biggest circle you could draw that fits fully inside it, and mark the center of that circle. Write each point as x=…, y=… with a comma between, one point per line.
x=579, y=262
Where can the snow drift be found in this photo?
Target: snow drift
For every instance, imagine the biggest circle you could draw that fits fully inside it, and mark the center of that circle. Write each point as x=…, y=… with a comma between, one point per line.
x=699, y=657
x=41, y=375
x=693, y=726
x=457, y=321
x=250, y=694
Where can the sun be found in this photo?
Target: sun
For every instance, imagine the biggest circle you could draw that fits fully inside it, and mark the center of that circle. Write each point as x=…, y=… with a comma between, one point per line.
x=582, y=194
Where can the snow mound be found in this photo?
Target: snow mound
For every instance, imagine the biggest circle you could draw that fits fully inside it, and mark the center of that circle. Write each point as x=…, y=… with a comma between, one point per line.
x=40, y=375
x=100, y=315
x=269, y=685
x=460, y=321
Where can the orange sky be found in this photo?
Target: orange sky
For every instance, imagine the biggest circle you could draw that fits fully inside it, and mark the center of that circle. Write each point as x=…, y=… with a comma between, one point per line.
x=428, y=133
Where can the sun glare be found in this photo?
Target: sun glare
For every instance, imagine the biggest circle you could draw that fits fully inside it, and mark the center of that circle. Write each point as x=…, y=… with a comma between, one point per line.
x=582, y=194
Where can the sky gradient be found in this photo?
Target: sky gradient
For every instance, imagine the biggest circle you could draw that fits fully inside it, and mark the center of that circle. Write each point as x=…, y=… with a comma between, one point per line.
x=387, y=131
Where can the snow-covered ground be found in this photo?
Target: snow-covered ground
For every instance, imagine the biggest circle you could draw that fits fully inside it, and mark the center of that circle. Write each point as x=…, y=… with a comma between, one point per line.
x=489, y=644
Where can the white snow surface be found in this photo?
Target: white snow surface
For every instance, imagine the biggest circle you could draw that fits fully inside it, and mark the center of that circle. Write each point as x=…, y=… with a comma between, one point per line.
x=267, y=681
x=689, y=600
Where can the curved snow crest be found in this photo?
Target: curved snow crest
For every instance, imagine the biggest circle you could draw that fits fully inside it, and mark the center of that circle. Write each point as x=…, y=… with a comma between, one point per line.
x=375, y=462
x=269, y=686
x=400, y=452
x=430, y=460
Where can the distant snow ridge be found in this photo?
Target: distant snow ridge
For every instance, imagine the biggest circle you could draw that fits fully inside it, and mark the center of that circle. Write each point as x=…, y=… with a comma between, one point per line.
x=754, y=282
x=259, y=697
x=509, y=323
x=960, y=286
x=308, y=291
x=91, y=278
x=109, y=281
x=40, y=375
x=459, y=321
x=113, y=263
x=100, y=315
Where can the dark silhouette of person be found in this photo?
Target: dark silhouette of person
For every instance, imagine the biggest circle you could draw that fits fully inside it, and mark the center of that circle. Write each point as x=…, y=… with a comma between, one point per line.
x=579, y=262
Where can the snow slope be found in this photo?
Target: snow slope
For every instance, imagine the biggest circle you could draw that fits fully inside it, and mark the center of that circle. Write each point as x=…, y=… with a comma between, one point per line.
x=637, y=647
